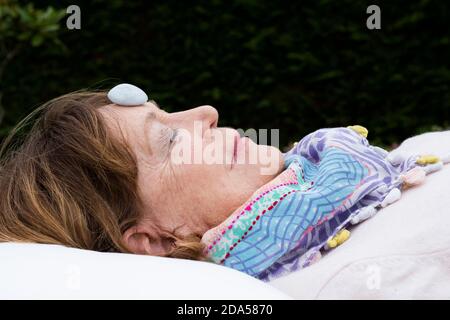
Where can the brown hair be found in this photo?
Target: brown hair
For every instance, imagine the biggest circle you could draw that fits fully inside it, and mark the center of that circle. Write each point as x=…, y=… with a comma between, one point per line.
x=71, y=182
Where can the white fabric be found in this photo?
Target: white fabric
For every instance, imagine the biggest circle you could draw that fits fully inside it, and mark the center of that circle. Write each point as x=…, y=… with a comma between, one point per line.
x=403, y=252
x=35, y=271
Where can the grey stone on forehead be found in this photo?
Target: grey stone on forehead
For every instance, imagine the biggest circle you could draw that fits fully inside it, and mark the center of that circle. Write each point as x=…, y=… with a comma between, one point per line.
x=126, y=94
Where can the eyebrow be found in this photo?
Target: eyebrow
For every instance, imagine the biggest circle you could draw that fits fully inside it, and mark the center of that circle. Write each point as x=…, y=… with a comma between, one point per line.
x=151, y=115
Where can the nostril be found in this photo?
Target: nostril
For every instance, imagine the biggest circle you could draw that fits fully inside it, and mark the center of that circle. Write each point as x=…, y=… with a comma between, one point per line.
x=214, y=116
x=214, y=124
x=210, y=115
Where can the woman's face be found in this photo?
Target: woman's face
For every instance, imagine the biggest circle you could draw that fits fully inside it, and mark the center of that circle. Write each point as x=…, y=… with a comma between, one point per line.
x=192, y=174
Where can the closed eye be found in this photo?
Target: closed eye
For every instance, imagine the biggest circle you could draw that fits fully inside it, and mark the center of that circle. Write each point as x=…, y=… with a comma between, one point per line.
x=168, y=137
x=174, y=136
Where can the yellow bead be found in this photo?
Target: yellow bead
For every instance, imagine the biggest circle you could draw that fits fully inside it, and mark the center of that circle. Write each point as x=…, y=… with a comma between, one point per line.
x=339, y=238
x=359, y=129
x=343, y=236
x=332, y=243
x=427, y=159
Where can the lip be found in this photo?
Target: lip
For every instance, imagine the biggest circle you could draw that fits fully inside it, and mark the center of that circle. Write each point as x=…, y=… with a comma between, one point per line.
x=237, y=138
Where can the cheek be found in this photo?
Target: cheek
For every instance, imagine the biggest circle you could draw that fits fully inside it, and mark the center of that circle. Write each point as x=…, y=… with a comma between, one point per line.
x=183, y=150
x=191, y=149
x=148, y=190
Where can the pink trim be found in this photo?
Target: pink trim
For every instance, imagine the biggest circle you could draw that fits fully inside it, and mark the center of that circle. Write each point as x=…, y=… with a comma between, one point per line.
x=222, y=229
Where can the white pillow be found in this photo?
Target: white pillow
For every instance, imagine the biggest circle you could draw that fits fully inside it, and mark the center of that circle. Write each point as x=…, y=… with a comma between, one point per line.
x=37, y=271
x=435, y=143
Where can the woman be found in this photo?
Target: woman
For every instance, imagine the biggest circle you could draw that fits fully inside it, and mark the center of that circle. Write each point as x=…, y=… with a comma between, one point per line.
x=94, y=175
x=97, y=175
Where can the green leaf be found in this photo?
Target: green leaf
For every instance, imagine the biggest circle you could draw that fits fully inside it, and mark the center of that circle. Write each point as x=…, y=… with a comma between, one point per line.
x=37, y=40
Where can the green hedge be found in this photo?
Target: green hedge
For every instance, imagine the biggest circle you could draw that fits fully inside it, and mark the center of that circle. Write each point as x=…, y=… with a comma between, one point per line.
x=298, y=66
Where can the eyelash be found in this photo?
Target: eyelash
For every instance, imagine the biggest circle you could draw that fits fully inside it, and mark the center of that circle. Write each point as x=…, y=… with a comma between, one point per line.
x=168, y=136
x=173, y=136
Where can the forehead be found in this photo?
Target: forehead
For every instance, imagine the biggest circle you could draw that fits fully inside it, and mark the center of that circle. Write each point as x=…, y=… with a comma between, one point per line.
x=115, y=110
x=126, y=115
x=127, y=121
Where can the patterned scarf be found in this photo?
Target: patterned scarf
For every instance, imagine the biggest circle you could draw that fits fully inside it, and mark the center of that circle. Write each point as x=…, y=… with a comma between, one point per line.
x=329, y=176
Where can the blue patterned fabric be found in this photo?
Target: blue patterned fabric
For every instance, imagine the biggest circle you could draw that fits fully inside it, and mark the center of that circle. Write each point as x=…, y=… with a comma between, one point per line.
x=336, y=172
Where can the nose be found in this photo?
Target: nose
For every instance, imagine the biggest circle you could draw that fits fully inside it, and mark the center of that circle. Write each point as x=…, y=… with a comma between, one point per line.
x=208, y=115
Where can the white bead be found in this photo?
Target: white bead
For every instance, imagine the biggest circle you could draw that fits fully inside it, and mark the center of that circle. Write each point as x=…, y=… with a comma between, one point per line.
x=393, y=195
x=430, y=168
x=364, y=214
x=126, y=94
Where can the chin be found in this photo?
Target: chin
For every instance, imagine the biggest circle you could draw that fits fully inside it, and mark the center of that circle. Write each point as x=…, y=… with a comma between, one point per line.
x=273, y=164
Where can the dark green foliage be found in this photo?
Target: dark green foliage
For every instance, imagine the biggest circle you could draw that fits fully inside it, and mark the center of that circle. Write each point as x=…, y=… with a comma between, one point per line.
x=22, y=26
x=297, y=66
